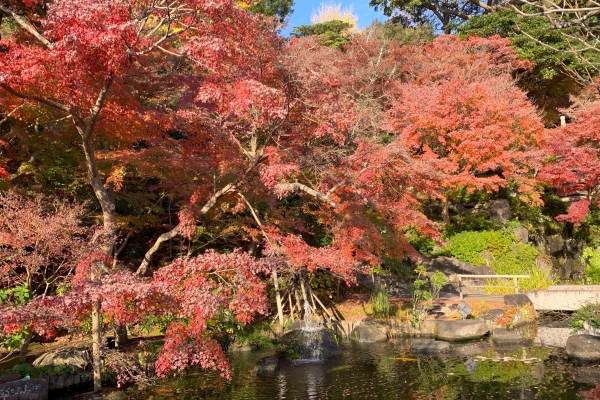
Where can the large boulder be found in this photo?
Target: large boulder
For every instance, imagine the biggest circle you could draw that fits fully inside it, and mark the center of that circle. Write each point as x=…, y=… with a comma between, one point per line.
x=429, y=347
x=267, y=364
x=583, y=347
x=554, y=244
x=368, y=333
x=460, y=330
x=79, y=358
x=34, y=389
x=309, y=344
x=499, y=211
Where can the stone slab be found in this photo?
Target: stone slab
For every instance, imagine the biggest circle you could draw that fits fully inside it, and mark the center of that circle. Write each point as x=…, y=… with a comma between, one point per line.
x=574, y=287
x=562, y=300
x=34, y=389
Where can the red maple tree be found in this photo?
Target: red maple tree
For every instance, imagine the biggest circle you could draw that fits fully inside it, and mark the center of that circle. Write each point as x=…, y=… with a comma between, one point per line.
x=573, y=167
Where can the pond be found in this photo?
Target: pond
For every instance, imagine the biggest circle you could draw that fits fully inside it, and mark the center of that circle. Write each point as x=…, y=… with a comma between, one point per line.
x=390, y=371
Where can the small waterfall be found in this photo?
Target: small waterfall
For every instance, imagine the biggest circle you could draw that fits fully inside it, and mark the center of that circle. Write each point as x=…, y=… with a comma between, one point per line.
x=307, y=323
x=310, y=342
x=311, y=334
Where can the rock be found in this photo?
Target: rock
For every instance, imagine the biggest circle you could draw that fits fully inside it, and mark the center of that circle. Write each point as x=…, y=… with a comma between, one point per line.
x=517, y=300
x=590, y=329
x=35, y=389
x=469, y=349
x=554, y=244
x=267, y=364
x=490, y=317
x=567, y=269
x=301, y=324
x=117, y=395
x=5, y=378
x=501, y=335
x=451, y=265
x=556, y=337
x=429, y=347
x=460, y=330
x=499, y=211
x=521, y=234
x=583, y=347
x=368, y=333
x=585, y=373
x=78, y=358
x=546, y=267
x=308, y=344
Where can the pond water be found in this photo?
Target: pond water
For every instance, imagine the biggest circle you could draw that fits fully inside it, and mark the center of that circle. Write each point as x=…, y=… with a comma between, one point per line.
x=390, y=371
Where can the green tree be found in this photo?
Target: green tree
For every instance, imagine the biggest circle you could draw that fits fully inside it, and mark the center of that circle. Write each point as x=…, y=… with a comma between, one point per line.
x=331, y=33
x=445, y=15
x=560, y=66
x=274, y=8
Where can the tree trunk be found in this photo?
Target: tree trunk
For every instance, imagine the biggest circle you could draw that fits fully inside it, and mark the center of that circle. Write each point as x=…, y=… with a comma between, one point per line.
x=445, y=212
x=96, y=343
x=278, y=298
x=121, y=337
x=24, y=348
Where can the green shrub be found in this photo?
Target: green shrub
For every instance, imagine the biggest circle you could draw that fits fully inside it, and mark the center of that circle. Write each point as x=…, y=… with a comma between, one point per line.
x=520, y=259
x=40, y=372
x=505, y=256
x=468, y=246
x=398, y=268
x=438, y=281
x=589, y=312
x=380, y=303
x=472, y=221
x=591, y=260
x=421, y=243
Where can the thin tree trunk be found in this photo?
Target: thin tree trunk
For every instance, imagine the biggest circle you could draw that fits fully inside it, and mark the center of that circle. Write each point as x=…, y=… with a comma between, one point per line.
x=278, y=298
x=291, y=305
x=96, y=342
x=297, y=296
x=24, y=348
x=445, y=212
x=121, y=337
x=96, y=338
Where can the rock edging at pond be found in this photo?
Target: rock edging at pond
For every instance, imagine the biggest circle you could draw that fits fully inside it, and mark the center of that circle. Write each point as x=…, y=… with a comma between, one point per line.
x=460, y=330
x=368, y=333
x=583, y=348
x=34, y=389
x=502, y=335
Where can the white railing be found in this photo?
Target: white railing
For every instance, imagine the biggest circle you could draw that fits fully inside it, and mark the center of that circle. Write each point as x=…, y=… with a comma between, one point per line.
x=515, y=279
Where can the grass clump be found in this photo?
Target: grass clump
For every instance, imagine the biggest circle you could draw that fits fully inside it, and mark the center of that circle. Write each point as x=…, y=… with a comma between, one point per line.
x=380, y=303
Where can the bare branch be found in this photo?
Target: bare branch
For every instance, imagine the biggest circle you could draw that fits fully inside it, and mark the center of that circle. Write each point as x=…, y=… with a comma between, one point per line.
x=24, y=23
x=296, y=186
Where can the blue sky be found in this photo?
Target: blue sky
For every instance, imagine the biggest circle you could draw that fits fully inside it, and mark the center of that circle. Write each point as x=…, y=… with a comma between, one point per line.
x=303, y=9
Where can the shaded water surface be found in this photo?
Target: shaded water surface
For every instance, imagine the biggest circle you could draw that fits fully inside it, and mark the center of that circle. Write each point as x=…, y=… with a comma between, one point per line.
x=389, y=371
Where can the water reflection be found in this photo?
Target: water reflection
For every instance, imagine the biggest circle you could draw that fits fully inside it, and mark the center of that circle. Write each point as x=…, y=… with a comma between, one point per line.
x=389, y=371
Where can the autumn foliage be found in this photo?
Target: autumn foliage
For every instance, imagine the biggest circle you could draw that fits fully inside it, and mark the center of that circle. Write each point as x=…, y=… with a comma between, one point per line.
x=308, y=156
x=573, y=159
